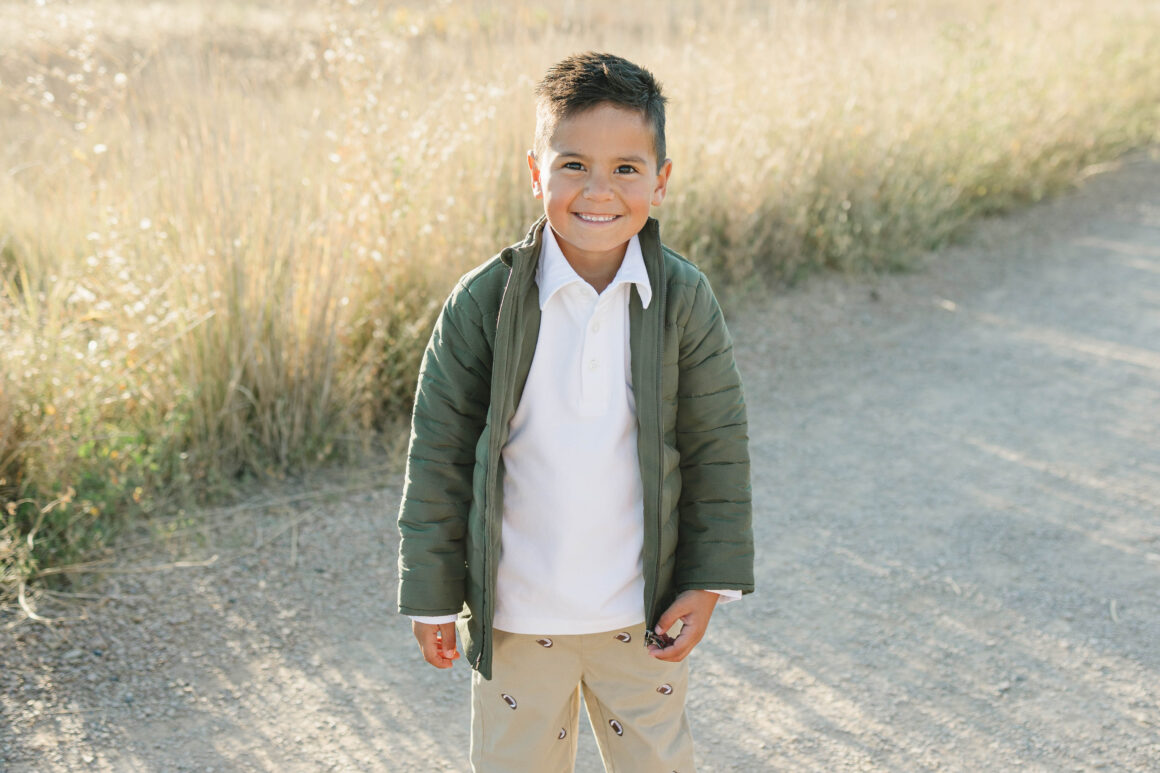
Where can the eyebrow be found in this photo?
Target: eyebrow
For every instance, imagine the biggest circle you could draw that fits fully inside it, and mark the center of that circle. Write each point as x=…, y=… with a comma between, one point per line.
x=578, y=154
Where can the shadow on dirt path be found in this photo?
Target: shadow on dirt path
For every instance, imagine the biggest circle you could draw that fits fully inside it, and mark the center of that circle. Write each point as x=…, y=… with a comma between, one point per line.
x=957, y=478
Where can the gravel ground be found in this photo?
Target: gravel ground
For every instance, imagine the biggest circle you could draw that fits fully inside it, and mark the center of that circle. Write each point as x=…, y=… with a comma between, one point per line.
x=957, y=478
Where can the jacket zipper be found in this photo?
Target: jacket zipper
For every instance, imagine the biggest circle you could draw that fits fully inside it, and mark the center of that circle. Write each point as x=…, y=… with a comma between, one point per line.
x=503, y=355
x=660, y=428
x=662, y=302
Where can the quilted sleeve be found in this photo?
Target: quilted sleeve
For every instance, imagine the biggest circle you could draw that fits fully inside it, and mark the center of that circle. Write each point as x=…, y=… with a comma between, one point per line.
x=450, y=411
x=715, y=542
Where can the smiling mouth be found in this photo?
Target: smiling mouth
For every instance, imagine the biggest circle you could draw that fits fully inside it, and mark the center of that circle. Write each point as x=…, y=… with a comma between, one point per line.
x=596, y=218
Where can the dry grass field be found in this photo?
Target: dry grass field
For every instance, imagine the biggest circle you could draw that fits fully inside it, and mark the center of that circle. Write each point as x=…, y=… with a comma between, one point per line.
x=225, y=226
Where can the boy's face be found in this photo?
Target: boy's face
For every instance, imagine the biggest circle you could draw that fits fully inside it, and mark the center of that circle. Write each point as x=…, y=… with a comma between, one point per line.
x=598, y=178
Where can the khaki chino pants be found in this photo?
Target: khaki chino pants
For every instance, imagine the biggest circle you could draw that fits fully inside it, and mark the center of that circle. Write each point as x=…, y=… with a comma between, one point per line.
x=526, y=717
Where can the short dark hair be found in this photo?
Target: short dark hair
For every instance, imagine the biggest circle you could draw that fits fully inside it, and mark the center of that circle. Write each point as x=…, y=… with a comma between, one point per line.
x=583, y=81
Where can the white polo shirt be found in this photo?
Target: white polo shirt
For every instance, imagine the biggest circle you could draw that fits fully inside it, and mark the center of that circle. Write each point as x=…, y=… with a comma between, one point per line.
x=573, y=520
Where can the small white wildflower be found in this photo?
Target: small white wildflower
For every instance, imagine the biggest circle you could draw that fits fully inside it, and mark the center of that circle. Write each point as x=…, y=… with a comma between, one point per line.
x=82, y=295
x=48, y=97
x=146, y=224
x=92, y=346
x=120, y=79
x=93, y=236
x=334, y=158
x=100, y=148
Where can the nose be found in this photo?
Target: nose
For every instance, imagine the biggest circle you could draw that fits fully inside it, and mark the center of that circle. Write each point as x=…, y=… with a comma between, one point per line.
x=598, y=188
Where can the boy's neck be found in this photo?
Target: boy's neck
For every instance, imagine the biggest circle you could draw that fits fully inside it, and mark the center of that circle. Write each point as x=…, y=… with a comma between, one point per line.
x=598, y=271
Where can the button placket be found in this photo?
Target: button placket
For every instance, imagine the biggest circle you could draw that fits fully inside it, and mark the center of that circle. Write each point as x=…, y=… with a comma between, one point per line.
x=593, y=371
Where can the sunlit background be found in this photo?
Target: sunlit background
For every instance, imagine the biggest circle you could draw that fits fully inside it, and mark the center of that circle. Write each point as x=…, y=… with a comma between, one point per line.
x=225, y=226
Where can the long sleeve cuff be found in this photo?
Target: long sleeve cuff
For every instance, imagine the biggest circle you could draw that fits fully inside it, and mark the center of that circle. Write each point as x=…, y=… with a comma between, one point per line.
x=437, y=619
x=727, y=595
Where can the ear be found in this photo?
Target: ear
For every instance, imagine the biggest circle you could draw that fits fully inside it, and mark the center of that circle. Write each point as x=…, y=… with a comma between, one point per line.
x=662, y=183
x=537, y=189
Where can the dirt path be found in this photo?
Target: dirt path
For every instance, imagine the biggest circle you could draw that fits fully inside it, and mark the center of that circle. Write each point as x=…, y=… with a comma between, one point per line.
x=957, y=474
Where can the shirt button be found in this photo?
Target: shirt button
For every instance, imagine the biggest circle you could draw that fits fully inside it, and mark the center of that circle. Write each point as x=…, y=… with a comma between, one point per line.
x=593, y=365
x=595, y=327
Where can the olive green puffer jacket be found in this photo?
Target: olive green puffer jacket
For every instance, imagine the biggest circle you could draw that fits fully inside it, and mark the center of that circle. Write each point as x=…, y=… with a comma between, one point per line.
x=692, y=440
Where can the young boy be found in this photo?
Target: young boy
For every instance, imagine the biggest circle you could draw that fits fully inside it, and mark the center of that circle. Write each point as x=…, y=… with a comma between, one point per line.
x=578, y=475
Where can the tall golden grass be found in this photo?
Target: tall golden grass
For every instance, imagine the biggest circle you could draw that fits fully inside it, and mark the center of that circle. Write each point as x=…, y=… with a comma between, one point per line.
x=225, y=227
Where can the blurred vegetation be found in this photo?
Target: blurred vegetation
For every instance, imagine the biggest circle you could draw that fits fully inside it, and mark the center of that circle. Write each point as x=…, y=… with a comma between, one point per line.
x=225, y=227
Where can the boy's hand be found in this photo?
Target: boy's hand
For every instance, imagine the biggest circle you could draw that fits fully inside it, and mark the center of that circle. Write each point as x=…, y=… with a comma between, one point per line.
x=693, y=608
x=437, y=643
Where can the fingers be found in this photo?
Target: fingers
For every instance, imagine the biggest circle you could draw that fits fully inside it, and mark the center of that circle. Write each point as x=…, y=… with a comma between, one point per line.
x=447, y=641
x=437, y=643
x=671, y=616
x=693, y=609
x=689, y=637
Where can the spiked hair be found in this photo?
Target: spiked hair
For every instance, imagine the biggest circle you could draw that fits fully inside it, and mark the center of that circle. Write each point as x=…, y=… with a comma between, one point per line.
x=583, y=81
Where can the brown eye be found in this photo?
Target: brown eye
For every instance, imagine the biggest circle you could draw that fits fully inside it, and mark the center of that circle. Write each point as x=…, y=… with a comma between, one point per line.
x=665, y=689
x=544, y=642
x=509, y=700
x=616, y=727
x=624, y=636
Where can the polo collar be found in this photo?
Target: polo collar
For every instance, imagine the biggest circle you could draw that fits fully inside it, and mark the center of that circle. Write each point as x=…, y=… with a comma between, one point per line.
x=555, y=272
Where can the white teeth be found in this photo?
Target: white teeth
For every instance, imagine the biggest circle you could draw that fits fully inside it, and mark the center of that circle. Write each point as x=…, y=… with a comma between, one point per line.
x=596, y=218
